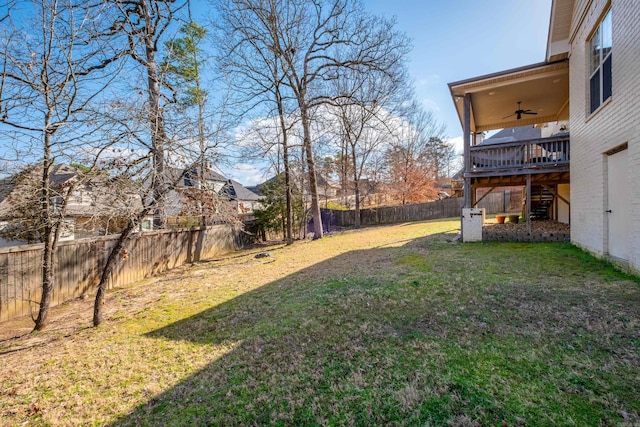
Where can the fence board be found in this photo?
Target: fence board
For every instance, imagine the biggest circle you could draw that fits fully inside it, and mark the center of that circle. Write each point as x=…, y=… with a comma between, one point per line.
x=79, y=264
x=14, y=306
x=24, y=276
x=4, y=287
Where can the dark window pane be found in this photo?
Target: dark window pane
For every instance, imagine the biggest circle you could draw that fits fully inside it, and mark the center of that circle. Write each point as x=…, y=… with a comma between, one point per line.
x=595, y=91
x=606, y=79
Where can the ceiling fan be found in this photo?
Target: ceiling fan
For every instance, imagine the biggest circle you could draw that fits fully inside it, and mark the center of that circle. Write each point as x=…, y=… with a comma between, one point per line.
x=519, y=112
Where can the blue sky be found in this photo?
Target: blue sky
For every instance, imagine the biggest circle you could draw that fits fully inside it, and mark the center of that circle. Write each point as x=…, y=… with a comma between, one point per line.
x=459, y=39
x=455, y=40
x=452, y=40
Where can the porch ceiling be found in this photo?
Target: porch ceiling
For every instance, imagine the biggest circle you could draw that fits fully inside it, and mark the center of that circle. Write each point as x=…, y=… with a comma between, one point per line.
x=542, y=88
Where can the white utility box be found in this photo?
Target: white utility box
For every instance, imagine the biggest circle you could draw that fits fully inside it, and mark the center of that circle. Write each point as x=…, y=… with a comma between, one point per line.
x=472, y=221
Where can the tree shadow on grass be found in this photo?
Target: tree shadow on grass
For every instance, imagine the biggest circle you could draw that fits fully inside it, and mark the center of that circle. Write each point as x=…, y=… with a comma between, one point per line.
x=348, y=341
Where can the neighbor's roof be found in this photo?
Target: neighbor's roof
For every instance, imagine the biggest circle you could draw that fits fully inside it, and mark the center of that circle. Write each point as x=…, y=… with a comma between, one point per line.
x=209, y=175
x=236, y=191
x=106, y=199
x=520, y=133
x=60, y=174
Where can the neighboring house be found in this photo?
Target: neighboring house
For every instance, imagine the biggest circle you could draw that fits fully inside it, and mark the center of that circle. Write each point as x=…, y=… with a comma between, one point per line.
x=182, y=201
x=588, y=84
x=211, y=180
x=328, y=189
x=244, y=200
x=94, y=205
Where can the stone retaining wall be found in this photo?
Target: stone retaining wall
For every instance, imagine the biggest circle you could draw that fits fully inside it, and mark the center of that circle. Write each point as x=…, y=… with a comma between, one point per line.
x=515, y=236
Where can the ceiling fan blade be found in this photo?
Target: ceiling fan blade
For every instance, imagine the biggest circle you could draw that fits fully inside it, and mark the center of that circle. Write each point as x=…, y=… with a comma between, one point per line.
x=519, y=112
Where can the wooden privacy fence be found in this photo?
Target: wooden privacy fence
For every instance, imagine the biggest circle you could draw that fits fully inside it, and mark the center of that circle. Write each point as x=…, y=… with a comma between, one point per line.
x=502, y=201
x=79, y=264
x=446, y=208
x=394, y=214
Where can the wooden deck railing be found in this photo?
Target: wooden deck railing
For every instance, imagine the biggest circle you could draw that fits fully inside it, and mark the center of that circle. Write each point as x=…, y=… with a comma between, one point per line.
x=535, y=154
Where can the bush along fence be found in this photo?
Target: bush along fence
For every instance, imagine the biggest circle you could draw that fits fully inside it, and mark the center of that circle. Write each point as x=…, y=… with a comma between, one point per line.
x=79, y=264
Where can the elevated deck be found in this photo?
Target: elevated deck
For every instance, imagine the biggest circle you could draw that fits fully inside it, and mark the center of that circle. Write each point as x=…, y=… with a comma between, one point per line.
x=546, y=160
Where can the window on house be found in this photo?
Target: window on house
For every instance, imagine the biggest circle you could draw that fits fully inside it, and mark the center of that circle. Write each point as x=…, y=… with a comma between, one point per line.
x=188, y=179
x=600, y=48
x=82, y=197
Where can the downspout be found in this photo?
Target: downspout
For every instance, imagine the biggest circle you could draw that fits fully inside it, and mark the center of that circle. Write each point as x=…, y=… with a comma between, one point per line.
x=528, y=218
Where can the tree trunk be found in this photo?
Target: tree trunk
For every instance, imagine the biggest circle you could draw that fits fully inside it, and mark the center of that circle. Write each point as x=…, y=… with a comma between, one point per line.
x=158, y=135
x=313, y=183
x=356, y=185
x=98, y=317
x=287, y=187
x=48, y=237
x=287, y=174
x=47, y=283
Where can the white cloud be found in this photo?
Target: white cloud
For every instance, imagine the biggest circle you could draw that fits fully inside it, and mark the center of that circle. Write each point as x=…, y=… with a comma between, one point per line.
x=430, y=104
x=244, y=167
x=457, y=142
x=246, y=174
x=428, y=80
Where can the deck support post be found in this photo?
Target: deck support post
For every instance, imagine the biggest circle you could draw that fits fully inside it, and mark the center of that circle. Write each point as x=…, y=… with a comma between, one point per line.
x=528, y=218
x=466, y=132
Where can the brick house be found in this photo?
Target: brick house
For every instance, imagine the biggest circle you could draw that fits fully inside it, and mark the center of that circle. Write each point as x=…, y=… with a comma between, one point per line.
x=588, y=85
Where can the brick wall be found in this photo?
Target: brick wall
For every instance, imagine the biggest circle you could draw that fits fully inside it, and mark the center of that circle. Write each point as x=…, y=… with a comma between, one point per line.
x=615, y=123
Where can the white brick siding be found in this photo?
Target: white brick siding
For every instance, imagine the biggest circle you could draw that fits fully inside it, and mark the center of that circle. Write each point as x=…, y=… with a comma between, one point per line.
x=615, y=123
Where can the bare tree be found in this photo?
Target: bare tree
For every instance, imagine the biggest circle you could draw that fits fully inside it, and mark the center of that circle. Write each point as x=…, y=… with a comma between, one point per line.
x=135, y=166
x=166, y=142
x=57, y=62
x=145, y=23
x=315, y=42
x=412, y=173
x=248, y=56
x=363, y=111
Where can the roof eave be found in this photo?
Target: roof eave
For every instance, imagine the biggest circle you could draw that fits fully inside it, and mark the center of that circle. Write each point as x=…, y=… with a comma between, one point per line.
x=558, y=45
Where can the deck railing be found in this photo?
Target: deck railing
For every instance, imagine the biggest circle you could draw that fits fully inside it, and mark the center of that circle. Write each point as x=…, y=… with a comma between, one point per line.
x=542, y=153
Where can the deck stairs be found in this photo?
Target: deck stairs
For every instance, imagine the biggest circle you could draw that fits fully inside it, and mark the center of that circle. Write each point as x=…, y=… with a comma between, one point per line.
x=541, y=202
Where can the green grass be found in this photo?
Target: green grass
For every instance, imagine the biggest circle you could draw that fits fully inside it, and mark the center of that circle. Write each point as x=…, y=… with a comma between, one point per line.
x=386, y=326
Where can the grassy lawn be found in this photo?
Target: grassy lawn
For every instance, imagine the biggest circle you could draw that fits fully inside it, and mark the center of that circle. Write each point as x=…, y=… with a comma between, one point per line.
x=396, y=325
